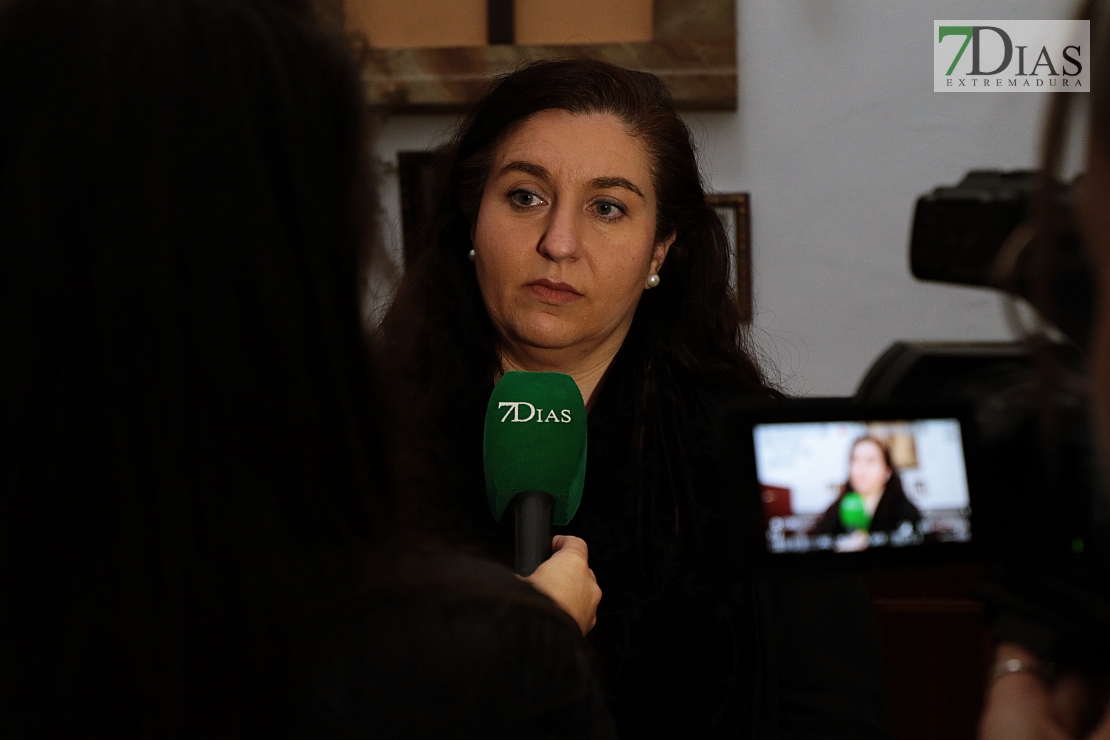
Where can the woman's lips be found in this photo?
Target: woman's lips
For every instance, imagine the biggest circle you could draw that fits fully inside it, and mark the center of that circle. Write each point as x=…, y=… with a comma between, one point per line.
x=548, y=291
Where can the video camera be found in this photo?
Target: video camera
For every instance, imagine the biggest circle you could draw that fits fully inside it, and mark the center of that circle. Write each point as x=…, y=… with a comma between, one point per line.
x=990, y=443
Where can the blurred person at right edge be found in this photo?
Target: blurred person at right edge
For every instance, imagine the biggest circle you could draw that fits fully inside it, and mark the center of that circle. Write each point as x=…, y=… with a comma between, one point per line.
x=1027, y=701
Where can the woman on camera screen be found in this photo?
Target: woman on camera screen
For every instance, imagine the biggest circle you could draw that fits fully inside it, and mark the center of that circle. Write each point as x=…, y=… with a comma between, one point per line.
x=572, y=234
x=871, y=500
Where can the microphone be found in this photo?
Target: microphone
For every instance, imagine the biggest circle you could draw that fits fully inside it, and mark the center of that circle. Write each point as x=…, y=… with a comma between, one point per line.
x=534, y=451
x=853, y=514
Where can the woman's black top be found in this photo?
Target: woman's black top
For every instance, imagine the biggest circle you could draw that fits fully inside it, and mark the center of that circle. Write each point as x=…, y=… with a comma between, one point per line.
x=893, y=509
x=683, y=645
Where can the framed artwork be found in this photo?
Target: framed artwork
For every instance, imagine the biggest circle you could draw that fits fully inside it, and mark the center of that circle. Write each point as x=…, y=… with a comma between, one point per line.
x=735, y=212
x=437, y=56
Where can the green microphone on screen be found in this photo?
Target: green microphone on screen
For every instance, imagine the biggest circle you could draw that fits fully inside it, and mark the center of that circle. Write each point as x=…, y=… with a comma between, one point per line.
x=853, y=514
x=534, y=452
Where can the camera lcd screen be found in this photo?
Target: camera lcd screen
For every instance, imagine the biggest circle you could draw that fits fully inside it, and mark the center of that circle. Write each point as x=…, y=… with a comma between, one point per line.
x=853, y=486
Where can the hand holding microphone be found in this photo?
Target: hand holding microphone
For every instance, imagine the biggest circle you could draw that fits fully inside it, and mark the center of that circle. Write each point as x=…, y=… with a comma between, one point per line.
x=534, y=452
x=566, y=578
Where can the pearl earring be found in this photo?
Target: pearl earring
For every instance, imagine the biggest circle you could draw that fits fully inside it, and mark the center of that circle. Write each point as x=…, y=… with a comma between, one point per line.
x=653, y=281
x=470, y=255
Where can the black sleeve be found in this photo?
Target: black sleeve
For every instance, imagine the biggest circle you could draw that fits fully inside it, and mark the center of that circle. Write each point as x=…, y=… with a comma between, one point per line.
x=822, y=670
x=829, y=523
x=894, y=509
x=476, y=662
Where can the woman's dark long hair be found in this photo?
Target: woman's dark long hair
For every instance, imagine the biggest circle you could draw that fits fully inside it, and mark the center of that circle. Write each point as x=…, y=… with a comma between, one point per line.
x=1036, y=261
x=189, y=461
x=686, y=333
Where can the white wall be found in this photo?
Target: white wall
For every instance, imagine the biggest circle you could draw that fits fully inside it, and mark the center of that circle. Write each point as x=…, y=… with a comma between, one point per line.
x=837, y=132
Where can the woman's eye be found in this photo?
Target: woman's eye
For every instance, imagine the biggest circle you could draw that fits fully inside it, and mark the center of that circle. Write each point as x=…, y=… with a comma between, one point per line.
x=607, y=210
x=524, y=198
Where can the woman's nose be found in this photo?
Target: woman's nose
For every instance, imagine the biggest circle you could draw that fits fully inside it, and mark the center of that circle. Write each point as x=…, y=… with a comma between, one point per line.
x=561, y=239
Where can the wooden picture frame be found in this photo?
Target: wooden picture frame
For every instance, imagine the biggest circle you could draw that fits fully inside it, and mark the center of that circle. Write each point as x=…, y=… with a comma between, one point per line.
x=735, y=212
x=693, y=50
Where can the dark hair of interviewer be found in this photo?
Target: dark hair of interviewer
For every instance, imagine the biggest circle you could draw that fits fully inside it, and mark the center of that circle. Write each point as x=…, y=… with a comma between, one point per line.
x=195, y=534
x=189, y=457
x=685, y=332
x=1049, y=219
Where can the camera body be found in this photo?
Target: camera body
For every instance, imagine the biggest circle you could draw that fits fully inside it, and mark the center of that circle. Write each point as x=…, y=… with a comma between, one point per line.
x=1042, y=499
x=1040, y=507
x=1039, y=514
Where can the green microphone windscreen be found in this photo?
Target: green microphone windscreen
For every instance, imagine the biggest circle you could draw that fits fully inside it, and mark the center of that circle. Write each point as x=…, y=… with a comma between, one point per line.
x=535, y=440
x=853, y=514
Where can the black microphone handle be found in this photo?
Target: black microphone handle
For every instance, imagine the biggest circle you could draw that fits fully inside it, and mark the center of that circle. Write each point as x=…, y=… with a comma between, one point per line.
x=532, y=515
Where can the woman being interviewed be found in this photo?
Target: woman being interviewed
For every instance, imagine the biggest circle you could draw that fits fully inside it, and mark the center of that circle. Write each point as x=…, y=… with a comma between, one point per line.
x=572, y=235
x=872, y=500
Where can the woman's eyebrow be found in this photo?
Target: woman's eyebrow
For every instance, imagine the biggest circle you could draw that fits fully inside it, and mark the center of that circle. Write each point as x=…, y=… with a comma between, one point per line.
x=535, y=170
x=527, y=168
x=616, y=182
